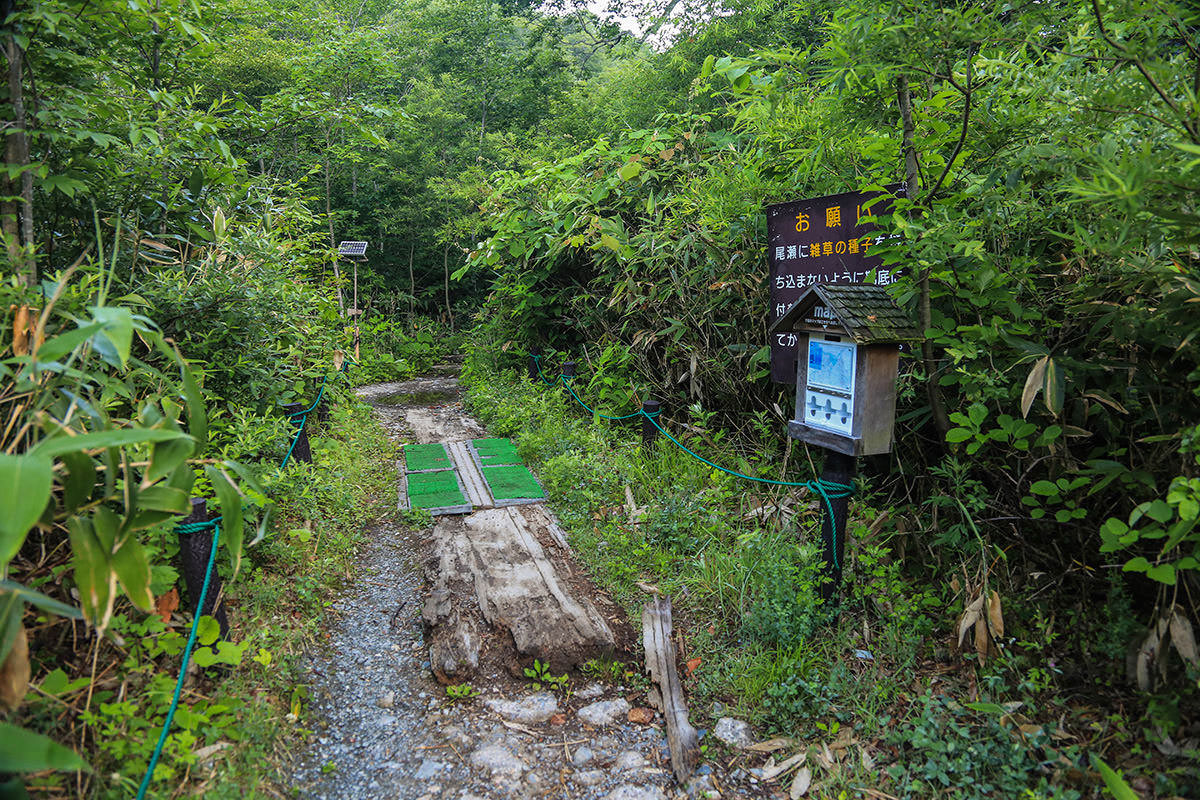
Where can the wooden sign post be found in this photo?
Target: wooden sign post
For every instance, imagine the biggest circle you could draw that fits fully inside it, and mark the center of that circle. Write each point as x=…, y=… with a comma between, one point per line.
x=847, y=338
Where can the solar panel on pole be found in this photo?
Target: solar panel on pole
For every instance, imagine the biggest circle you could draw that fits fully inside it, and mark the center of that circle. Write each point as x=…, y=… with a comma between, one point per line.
x=357, y=249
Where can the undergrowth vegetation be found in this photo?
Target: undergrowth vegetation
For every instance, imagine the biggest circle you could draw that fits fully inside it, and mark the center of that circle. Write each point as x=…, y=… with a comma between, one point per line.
x=876, y=677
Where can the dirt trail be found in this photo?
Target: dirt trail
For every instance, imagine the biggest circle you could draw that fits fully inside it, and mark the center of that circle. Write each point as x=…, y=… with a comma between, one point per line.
x=385, y=728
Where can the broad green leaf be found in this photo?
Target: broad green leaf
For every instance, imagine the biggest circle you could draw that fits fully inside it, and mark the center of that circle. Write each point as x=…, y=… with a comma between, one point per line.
x=231, y=513
x=1163, y=573
x=1117, y=787
x=93, y=576
x=115, y=338
x=22, y=750
x=164, y=498
x=132, y=566
x=80, y=480
x=25, y=485
x=59, y=346
x=207, y=630
x=955, y=435
x=630, y=171
x=1138, y=564
x=167, y=456
x=223, y=653
x=39, y=600
x=1044, y=488
x=57, y=445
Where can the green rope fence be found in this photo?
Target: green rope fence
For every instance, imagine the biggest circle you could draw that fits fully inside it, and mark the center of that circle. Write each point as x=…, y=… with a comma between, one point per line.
x=827, y=490
x=196, y=527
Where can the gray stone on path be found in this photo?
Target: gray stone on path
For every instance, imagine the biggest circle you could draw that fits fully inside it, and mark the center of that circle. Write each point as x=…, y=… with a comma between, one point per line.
x=590, y=692
x=629, y=759
x=582, y=756
x=535, y=708
x=498, y=759
x=629, y=791
x=590, y=777
x=733, y=732
x=428, y=769
x=604, y=712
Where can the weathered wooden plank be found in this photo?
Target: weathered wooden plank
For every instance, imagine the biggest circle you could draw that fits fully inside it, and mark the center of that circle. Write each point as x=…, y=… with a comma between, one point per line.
x=491, y=564
x=474, y=486
x=660, y=663
x=402, y=488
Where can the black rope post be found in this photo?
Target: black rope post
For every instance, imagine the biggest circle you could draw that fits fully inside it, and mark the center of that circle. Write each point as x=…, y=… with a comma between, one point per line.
x=534, y=354
x=650, y=410
x=321, y=412
x=194, y=550
x=839, y=468
x=568, y=370
x=301, y=452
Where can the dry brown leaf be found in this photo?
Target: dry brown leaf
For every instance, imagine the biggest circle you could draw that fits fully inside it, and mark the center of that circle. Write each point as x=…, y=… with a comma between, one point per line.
x=770, y=745
x=14, y=673
x=21, y=332
x=981, y=641
x=800, y=783
x=969, y=617
x=824, y=757
x=692, y=665
x=641, y=716
x=844, y=739
x=166, y=603
x=772, y=770
x=1183, y=638
x=995, y=616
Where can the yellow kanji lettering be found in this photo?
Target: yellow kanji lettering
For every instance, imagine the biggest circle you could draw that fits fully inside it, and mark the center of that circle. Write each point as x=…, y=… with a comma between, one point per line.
x=814, y=249
x=852, y=246
x=833, y=217
x=839, y=248
x=827, y=248
x=801, y=223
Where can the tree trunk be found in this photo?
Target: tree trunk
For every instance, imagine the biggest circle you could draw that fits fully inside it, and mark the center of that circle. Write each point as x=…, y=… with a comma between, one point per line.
x=412, y=284
x=18, y=214
x=912, y=181
x=446, y=274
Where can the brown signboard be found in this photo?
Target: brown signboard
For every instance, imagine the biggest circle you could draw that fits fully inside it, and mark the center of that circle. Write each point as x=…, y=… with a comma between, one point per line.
x=820, y=240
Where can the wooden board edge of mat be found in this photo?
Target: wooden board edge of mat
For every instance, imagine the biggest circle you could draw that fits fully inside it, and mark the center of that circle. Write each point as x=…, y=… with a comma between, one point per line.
x=476, y=488
x=487, y=487
x=402, y=487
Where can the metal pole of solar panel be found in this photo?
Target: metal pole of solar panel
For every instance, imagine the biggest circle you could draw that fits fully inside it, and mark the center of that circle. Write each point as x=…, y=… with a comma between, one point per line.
x=357, y=312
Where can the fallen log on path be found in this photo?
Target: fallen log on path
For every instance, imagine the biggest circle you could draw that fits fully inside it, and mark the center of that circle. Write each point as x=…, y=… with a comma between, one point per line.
x=660, y=664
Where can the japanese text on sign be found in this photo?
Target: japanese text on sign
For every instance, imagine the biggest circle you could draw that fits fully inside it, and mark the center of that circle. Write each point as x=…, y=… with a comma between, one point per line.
x=823, y=240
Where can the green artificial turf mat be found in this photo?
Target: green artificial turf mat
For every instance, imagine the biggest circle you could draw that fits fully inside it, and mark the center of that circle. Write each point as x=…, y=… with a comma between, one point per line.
x=420, y=457
x=493, y=452
x=434, y=490
x=511, y=483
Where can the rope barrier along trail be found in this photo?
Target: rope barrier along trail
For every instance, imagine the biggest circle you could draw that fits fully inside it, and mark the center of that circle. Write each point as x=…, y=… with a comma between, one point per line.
x=190, y=527
x=827, y=490
x=196, y=527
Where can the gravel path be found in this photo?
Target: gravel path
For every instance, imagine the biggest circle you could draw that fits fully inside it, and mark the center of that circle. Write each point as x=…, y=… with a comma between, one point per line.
x=383, y=727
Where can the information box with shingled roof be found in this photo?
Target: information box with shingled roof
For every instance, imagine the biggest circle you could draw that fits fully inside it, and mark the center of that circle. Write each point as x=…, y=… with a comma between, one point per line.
x=848, y=338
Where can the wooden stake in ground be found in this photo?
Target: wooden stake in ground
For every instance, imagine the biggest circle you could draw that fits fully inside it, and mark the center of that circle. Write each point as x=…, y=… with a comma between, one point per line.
x=660, y=663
